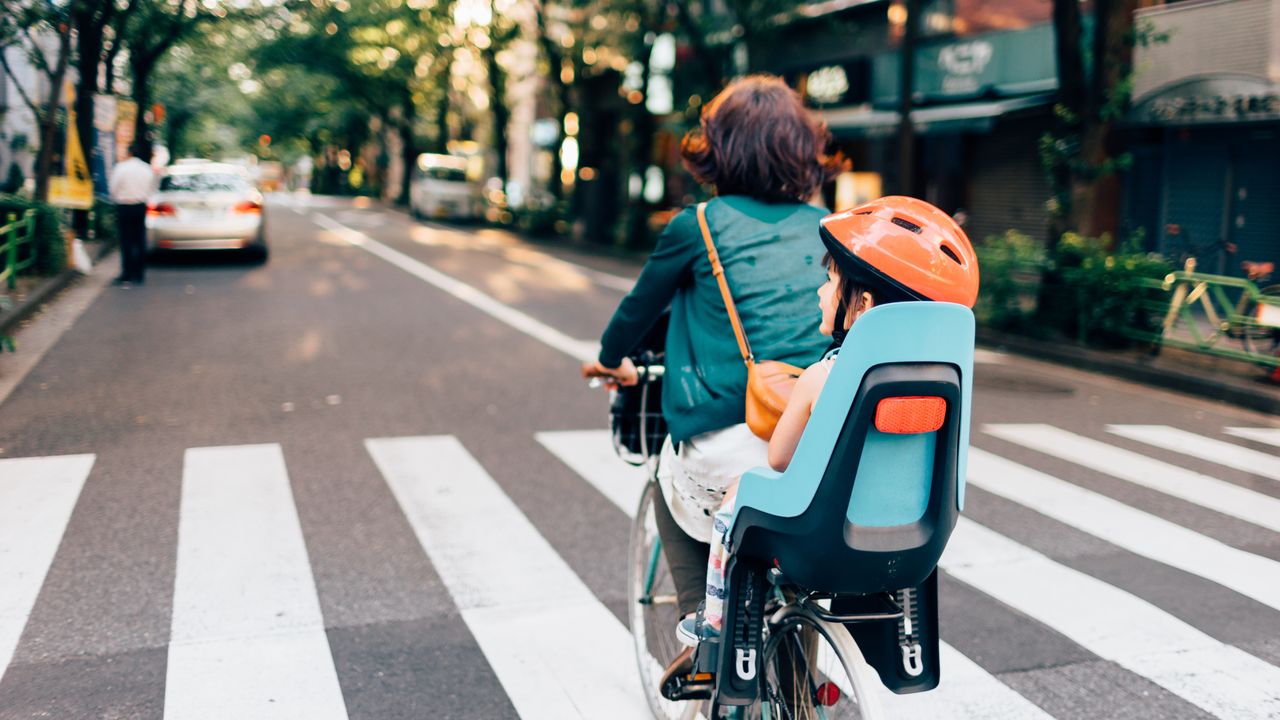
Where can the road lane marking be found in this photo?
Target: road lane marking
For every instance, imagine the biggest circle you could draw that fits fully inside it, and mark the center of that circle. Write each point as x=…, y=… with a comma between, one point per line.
x=37, y=497
x=1209, y=492
x=1215, y=451
x=966, y=692
x=558, y=652
x=589, y=453
x=1123, y=526
x=581, y=350
x=247, y=637
x=1268, y=436
x=1114, y=625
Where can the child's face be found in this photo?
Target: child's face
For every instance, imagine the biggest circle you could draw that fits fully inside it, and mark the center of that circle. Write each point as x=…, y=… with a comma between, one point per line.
x=829, y=299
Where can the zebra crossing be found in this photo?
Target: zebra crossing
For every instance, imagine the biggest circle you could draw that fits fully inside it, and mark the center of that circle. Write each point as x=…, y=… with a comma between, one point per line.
x=248, y=637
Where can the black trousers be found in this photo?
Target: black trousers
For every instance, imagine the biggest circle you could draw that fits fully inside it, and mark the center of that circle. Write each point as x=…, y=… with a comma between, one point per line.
x=131, y=222
x=686, y=558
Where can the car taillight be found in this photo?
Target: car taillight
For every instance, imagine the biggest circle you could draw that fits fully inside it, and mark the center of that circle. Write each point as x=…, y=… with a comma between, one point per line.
x=160, y=209
x=248, y=207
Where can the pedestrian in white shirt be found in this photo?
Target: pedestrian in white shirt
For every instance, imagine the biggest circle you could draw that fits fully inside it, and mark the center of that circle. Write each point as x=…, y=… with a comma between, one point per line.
x=130, y=185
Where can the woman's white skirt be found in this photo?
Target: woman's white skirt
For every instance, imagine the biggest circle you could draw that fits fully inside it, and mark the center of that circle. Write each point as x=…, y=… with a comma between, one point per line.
x=694, y=480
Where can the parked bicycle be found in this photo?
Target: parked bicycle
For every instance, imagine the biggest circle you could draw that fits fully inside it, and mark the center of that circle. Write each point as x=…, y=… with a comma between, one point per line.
x=832, y=587
x=1204, y=310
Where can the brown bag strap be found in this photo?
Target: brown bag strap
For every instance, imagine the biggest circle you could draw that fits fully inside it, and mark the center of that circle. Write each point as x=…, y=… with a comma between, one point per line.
x=718, y=270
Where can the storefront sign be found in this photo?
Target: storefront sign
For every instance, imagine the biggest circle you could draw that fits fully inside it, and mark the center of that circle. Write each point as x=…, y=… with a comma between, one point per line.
x=1003, y=64
x=1217, y=99
x=963, y=64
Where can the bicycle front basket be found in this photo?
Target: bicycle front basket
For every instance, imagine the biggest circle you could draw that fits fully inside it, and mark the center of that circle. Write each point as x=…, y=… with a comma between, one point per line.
x=635, y=417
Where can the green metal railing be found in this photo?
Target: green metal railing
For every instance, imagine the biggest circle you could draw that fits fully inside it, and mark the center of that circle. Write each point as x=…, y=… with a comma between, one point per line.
x=16, y=235
x=1215, y=314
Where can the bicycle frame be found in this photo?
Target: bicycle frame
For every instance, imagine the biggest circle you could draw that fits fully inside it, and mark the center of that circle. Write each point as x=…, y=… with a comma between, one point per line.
x=1226, y=319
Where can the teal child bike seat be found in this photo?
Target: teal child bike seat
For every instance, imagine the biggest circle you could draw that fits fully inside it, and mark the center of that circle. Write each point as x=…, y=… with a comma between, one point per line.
x=862, y=510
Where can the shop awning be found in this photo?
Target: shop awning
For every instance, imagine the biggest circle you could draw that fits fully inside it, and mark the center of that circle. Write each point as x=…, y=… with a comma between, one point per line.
x=974, y=117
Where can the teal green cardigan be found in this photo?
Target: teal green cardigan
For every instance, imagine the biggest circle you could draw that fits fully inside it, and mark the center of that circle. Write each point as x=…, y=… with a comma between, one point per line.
x=772, y=258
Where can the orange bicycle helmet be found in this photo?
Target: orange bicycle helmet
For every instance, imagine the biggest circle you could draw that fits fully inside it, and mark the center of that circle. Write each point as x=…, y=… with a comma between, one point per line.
x=906, y=248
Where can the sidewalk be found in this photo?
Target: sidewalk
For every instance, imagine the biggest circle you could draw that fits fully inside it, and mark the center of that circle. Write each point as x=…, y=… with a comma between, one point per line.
x=34, y=293
x=1231, y=381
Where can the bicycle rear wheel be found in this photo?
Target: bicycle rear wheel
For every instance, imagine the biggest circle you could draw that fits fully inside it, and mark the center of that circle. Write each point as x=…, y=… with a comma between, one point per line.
x=813, y=670
x=653, y=612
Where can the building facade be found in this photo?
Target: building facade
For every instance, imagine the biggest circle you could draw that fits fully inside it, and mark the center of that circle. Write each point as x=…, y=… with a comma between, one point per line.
x=984, y=82
x=1205, y=133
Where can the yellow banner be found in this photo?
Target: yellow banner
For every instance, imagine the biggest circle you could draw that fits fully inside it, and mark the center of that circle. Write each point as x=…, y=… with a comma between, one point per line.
x=75, y=189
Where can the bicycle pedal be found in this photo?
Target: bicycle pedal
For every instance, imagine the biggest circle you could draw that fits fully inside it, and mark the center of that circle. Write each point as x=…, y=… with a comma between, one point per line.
x=696, y=686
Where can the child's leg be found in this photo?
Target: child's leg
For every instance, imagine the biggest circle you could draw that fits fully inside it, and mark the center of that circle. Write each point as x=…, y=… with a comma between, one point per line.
x=713, y=614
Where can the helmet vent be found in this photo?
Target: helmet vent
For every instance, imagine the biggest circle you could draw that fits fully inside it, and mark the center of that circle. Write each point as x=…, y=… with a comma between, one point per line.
x=907, y=224
x=946, y=250
x=864, y=212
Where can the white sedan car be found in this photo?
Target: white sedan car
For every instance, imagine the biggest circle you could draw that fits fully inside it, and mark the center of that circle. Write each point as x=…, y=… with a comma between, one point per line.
x=209, y=206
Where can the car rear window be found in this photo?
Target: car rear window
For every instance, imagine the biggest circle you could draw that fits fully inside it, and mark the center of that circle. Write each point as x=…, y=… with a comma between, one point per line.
x=447, y=174
x=202, y=182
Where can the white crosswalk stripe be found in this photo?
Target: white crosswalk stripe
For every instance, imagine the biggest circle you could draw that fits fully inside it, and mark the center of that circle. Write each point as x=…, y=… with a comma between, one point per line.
x=1115, y=625
x=1138, y=532
x=247, y=636
x=967, y=692
x=1215, y=451
x=1203, y=490
x=524, y=605
x=1269, y=436
x=37, y=496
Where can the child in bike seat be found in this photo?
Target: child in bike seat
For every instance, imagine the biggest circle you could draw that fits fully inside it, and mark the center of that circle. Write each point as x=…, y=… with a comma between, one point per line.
x=894, y=249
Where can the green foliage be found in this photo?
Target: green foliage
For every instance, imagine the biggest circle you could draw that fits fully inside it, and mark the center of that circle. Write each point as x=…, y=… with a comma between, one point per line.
x=1011, y=265
x=1094, y=294
x=50, y=248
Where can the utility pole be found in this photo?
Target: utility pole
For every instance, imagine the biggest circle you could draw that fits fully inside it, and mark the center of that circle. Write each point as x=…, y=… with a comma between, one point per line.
x=906, y=132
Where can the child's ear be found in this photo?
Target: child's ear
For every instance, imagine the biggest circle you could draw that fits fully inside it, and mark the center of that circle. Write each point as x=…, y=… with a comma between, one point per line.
x=868, y=302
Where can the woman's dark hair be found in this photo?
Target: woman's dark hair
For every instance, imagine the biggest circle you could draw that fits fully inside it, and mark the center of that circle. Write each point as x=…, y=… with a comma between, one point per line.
x=756, y=138
x=850, y=290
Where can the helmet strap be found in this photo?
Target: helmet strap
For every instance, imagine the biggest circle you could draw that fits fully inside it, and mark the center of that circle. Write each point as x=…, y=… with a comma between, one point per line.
x=838, y=330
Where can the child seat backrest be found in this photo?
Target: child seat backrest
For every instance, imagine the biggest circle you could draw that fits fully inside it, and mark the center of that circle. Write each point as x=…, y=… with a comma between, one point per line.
x=877, y=482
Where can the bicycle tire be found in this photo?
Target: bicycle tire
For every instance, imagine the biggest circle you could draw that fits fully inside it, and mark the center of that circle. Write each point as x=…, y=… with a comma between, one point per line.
x=804, y=657
x=653, y=613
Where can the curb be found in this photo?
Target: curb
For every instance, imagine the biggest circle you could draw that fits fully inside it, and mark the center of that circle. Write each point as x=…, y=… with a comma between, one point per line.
x=1241, y=393
x=44, y=292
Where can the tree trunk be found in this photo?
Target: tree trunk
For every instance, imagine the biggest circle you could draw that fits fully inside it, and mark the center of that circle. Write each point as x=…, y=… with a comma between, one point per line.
x=501, y=113
x=89, y=49
x=561, y=94
x=48, y=120
x=906, y=91
x=408, y=151
x=142, y=96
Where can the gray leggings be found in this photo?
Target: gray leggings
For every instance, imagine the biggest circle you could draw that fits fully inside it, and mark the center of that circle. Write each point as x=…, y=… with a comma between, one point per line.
x=686, y=557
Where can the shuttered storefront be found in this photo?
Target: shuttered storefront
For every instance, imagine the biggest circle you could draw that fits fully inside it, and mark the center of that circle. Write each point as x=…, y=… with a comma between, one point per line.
x=1007, y=187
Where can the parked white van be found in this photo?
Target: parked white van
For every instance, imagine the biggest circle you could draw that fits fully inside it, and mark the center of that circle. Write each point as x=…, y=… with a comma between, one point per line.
x=441, y=189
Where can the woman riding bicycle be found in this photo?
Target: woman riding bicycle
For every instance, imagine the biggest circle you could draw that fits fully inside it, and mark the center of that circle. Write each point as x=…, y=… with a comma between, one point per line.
x=764, y=154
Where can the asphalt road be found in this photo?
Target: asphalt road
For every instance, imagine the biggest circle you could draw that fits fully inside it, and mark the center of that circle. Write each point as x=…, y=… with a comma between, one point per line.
x=344, y=484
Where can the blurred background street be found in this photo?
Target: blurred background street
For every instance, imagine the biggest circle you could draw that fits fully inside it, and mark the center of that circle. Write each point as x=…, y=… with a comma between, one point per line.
x=333, y=458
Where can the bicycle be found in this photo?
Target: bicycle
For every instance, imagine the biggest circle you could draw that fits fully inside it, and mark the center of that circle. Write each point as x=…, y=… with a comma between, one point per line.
x=789, y=651
x=802, y=639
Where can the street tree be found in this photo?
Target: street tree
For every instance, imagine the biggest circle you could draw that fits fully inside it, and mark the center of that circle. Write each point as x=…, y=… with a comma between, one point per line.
x=152, y=29
x=1085, y=151
x=40, y=32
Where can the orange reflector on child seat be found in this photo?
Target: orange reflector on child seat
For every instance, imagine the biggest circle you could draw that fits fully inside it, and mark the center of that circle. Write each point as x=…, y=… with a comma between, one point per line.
x=908, y=415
